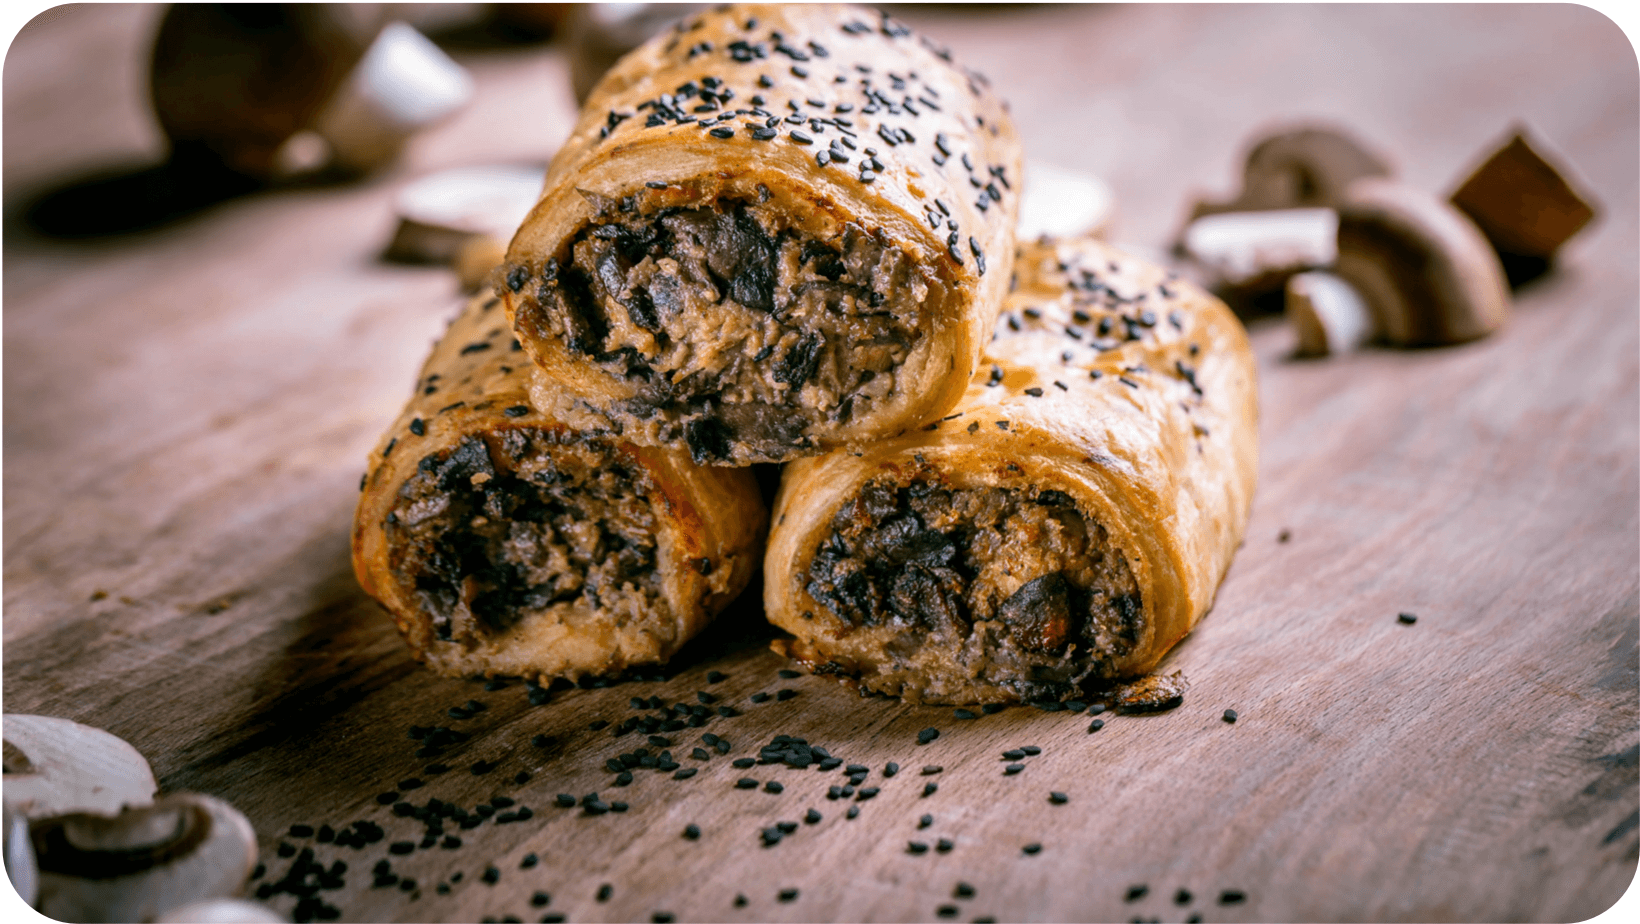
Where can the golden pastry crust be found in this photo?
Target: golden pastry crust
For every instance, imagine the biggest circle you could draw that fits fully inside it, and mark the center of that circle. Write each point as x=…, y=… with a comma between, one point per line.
x=504, y=542
x=774, y=230
x=1091, y=487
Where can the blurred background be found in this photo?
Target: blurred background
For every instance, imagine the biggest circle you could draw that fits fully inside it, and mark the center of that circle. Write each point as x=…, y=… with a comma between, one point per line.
x=232, y=232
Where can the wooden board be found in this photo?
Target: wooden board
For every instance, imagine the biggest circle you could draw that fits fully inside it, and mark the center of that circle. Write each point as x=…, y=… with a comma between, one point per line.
x=187, y=412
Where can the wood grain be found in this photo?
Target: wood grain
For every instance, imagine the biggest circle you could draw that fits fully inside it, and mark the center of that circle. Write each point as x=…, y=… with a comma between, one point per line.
x=187, y=412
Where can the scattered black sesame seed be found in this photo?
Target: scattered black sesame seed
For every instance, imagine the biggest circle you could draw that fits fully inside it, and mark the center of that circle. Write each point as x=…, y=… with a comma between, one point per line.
x=564, y=800
x=925, y=821
x=929, y=789
x=964, y=713
x=1407, y=619
x=916, y=847
x=1182, y=897
x=604, y=892
x=685, y=773
x=1032, y=848
x=1058, y=798
x=745, y=783
x=1230, y=716
x=1136, y=892
x=301, y=830
x=890, y=768
x=760, y=697
x=853, y=812
x=963, y=890
x=1096, y=724
x=773, y=786
x=1012, y=769
x=1232, y=897
x=784, y=695
x=788, y=895
x=928, y=734
x=867, y=793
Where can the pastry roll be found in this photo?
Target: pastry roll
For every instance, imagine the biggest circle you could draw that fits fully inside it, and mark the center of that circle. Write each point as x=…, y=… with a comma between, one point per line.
x=504, y=542
x=775, y=229
x=1066, y=525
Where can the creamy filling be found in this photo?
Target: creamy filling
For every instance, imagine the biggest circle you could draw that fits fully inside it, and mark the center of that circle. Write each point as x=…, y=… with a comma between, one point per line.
x=519, y=521
x=1018, y=585
x=733, y=327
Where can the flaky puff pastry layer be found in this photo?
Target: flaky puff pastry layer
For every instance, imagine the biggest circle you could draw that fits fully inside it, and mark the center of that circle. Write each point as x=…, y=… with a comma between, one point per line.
x=1130, y=392
x=827, y=118
x=469, y=428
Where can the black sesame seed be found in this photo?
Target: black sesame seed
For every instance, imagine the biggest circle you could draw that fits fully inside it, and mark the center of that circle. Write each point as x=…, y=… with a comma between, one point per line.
x=1407, y=618
x=853, y=812
x=928, y=734
x=784, y=695
x=890, y=768
x=401, y=847
x=925, y=821
x=760, y=697
x=604, y=892
x=564, y=800
x=947, y=911
x=964, y=713
x=963, y=890
x=722, y=131
x=1096, y=724
x=1136, y=892
x=1230, y=716
x=685, y=773
x=745, y=783
x=929, y=789
x=788, y=895
x=1058, y=798
x=1012, y=769
x=1182, y=897
x=1034, y=392
x=1032, y=848
x=867, y=793
x=1232, y=897
x=773, y=787
x=916, y=847
x=944, y=845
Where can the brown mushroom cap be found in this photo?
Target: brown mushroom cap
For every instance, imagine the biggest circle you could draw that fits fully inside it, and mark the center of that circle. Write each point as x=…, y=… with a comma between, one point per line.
x=1427, y=272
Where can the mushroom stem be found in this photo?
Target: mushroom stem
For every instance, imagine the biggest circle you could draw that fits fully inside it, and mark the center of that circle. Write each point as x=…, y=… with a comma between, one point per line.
x=1328, y=314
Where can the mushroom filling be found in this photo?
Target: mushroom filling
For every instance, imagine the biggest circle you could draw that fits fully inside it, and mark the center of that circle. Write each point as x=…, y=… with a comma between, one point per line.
x=1017, y=584
x=515, y=522
x=734, y=327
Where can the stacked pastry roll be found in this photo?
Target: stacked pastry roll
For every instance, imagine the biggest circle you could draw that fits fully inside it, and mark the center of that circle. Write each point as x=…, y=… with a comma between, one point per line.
x=505, y=542
x=1069, y=521
x=775, y=231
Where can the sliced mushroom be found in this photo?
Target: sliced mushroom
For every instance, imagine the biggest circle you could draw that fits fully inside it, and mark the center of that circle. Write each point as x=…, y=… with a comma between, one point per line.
x=1524, y=206
x=183, y=849
x=55, y=767
x=222, y=911
x=1328, y=314
x=1064, y=203
x=1424, y=269
x=1259, y=250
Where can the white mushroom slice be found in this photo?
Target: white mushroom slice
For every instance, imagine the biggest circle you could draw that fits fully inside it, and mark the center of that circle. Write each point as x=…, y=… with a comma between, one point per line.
x=441, y=212
x=185, y=848
x=1237, y=248
x=222, y=911
x=1064, y=203
x=1327, y=313
x=402, y=84
x=1427, y=272
x=55, y=766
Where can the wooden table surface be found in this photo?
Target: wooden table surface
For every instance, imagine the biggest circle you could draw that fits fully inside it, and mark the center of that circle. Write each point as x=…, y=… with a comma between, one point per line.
x=187, y=412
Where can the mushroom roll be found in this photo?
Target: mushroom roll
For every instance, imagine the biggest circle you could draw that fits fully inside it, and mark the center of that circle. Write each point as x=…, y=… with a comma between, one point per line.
x=1067, y=524
x=505, y=542
x=774, y=230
